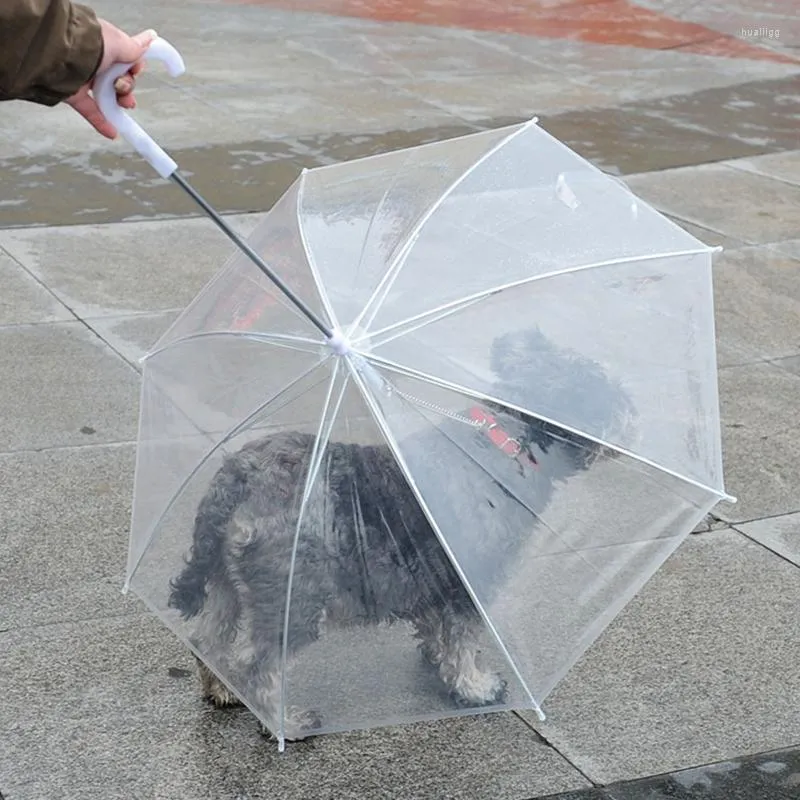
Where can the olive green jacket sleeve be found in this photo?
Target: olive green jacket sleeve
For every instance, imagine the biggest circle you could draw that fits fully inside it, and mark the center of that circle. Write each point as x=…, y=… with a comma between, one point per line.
x=48, y=49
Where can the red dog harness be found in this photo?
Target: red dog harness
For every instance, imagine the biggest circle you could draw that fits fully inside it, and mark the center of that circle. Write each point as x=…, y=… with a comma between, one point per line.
x=498, y=437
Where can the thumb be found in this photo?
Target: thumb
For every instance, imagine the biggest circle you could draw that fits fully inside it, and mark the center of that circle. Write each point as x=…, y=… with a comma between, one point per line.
x=131, y=48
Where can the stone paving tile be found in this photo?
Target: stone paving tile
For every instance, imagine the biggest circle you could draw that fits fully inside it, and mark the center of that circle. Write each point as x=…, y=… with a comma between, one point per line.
x=66, y=516
x=770, y=776
x=119, y=270
x=780, y=534
x=760, y=441
x=397, y=51
x=133, y=336
x=759, y=113
x=23, y=299
x=707, y=236
x=60, y=385
x=523, y=95
x=635, y=76
x=627, y=140
x=757, y=305
x=110, y=709
x=750, y=207
x=781, y=166
x=639, y=85
x=702, y=666
x=370, y=107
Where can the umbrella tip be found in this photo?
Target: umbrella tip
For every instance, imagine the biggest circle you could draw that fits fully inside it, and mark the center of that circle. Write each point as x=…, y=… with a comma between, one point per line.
x=339, y=344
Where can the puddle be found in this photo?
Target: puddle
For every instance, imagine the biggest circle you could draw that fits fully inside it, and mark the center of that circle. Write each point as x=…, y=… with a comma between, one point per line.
x=683, y=130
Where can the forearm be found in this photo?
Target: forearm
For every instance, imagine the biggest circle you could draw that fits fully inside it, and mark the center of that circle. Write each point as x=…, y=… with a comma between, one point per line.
x=48, y=49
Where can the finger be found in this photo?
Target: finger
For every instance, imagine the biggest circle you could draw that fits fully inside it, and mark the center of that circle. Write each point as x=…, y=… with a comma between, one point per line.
x=85, y=105
x=136, y=69
x=124, y=85
x=127, y=101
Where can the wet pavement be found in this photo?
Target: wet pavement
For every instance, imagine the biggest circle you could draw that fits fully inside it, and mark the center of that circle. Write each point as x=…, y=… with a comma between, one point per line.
x=693, y=692
x=769, y=776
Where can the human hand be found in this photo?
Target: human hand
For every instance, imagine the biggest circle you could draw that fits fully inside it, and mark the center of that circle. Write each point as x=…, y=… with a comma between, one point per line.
x=118, y=47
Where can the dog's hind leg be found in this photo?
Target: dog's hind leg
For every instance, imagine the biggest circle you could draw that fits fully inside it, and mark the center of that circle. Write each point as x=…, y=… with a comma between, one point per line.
x=450, y=642
x=214, y=638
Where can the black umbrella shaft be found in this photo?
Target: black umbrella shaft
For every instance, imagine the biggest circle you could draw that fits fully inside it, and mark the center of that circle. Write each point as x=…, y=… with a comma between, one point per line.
x=251, y=254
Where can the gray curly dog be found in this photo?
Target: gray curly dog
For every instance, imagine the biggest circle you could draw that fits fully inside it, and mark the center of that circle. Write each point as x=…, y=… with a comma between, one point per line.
x=367, y=554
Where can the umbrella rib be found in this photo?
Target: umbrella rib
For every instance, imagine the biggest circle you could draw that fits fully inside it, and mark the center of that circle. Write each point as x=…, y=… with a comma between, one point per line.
x=395, y=450
x=444, y=310
x=283, y=340
x=385, y=285
x=316, y=459
x=487, y=398
x=312, y=264
x=234, y=431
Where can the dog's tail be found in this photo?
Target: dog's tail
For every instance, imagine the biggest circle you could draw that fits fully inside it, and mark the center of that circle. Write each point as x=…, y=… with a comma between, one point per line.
x=227, y=491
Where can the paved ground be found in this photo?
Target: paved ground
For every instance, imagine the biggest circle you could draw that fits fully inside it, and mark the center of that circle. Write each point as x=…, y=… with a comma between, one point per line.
x=695, y=104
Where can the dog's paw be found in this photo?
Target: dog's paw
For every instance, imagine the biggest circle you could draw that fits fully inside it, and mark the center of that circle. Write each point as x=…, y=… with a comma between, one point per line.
x=215, y=691
x=480, y=689
x=222, y=697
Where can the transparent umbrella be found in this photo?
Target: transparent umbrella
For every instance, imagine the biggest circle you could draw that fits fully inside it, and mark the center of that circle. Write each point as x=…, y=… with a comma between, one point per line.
x=422, y=472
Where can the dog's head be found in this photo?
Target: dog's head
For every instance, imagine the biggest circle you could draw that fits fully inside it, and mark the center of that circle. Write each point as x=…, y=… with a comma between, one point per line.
x=566, y=388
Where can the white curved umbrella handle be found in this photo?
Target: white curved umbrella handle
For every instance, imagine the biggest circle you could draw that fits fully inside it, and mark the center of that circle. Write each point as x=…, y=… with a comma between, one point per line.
x=129, y=129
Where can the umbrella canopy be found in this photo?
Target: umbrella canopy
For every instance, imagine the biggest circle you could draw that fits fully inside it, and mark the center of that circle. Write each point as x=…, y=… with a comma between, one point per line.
x=515, y=423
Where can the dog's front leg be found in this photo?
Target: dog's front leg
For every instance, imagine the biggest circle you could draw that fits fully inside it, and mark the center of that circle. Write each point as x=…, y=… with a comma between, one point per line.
x=449, y=642
x=266, y=691
x=214, y=689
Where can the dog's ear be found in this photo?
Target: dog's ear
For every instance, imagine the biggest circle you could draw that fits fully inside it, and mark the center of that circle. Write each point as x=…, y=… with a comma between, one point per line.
x=514, y=352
